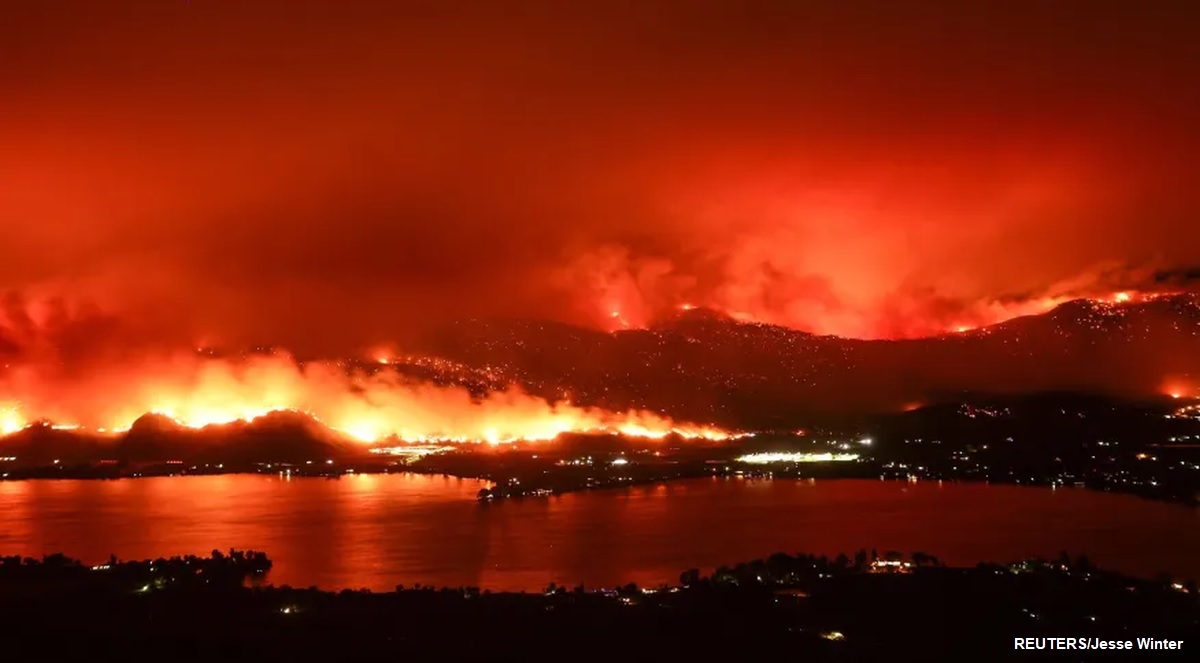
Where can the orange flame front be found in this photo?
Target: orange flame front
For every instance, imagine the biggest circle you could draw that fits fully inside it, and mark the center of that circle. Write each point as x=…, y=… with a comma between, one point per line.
x=366, y=407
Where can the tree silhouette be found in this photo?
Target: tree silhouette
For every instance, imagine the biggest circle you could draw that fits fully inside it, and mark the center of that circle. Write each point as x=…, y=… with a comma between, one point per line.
x=690, y=578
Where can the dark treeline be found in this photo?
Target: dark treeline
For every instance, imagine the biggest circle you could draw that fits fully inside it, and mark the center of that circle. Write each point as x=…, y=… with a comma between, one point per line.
x=57, y=573
x=852, y=606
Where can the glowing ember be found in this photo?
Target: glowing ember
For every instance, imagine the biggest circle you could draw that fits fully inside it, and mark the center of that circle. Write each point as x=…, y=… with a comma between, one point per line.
x=620, y=321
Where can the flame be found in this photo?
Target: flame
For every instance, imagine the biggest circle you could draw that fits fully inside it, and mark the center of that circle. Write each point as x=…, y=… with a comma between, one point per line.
x=970, y=317
x=1177, y=388
x=10, y=420
x=996, y=312
x=197, y=392
x=619, y=321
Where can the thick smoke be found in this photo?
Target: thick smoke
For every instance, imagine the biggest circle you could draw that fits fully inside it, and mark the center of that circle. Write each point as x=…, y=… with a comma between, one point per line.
x=760, y=279
x=332, y=177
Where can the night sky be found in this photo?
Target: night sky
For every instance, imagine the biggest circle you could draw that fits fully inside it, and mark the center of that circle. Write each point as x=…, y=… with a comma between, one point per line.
x=329, y=175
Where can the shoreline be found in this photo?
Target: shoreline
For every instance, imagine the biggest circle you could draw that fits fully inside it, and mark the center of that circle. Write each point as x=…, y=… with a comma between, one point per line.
x=503, y=487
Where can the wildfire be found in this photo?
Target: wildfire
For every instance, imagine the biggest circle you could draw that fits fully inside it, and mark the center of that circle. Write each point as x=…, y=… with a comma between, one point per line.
x=998, y=313
x=365, y=407
x=971, y=317
x=10, y=420
x=619, y=321
x=1178, y=388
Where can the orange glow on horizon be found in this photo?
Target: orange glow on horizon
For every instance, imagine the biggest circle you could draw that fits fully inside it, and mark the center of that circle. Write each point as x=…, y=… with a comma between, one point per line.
x=1178, y=387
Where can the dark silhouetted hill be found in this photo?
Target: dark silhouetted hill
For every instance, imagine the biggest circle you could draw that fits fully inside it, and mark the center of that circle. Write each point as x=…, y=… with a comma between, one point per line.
x=705, y=366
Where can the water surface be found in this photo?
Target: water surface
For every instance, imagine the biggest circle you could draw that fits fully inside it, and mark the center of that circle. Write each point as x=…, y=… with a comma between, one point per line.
x=376, y=531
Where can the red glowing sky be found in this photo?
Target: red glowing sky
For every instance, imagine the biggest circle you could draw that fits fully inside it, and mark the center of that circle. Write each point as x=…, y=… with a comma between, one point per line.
x=326, y=175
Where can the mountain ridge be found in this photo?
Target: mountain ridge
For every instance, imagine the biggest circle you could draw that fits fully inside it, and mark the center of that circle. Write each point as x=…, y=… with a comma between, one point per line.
x=712, y=368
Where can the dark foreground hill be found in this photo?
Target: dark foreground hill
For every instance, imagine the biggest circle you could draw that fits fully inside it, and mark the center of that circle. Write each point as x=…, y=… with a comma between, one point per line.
x=868, y=607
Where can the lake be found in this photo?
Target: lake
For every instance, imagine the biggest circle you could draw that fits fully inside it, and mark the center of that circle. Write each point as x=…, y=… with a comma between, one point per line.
x=377, y=531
